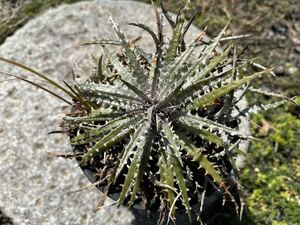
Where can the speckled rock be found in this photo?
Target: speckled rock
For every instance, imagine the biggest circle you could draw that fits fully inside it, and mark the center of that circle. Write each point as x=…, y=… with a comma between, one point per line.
x=36, y=188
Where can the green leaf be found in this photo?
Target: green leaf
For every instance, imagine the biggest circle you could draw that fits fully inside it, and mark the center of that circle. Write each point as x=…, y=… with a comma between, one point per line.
x=137, y=91
x=199, y=121
x=99, y=115
x=156, y=69
x=37, y=85
x=174, y=43
x=191, y=89
x=212, y=65
x=173, y=72
x=135, y=140
x=39, y=75
x=182, y=184
x=200, y=78
x=173, y=140
x=176, y=39
x=264, y=107
x=167, y=176
x=140, y=159
x=205, y=134
x=137, y=167
x=130, y=176
x=197, y=156
x=196, y=81
x=109, y=94
x=174, y=158
x=210, y=48
x=84, y=102
x=217, y=93
x=97, y=133
x=150, y=31
x=169, y=99
x=208, y=136
x=109, y=140
x=141, y=169
x=123, y=72
x=134, y=64
x=271, y=94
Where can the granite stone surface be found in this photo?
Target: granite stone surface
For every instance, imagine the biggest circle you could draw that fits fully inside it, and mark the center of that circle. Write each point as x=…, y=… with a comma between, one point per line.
x=36, y=188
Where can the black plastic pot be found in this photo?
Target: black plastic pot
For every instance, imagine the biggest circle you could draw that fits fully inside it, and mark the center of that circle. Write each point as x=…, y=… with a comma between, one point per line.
x=213, y=213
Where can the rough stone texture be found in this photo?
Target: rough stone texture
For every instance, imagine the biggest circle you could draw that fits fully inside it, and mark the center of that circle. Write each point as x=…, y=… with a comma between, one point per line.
x=9, y=7
x=4, y=220
x=36, y=188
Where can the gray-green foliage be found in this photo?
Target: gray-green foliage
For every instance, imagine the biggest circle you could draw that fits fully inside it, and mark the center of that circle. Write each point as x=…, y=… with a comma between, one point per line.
x=156, y=107
x=152, y=103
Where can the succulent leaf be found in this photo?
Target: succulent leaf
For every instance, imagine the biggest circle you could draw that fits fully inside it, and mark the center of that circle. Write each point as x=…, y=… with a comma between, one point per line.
x=135, y=140
x=172, y=159
x=173, y=72
x=174, y=42
x=172, y=140
x=167, y=176
x=271, y=94
x=122, y=71
x=94, y=134
x=197, y=156
x=263, y=107
x=210, y=48
x=137, y=70
x=178, y=169
x=199, y=121
x=106, y=91
x=143, y=164
x=203, y=133
x=217, y=93
x=109, y=140
x=150, y=31
x=190, y=90
x=138, y=92
x=212, y=65
x=138, y=164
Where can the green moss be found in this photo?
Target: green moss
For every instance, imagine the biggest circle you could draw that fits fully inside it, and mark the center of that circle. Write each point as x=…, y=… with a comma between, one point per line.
x=272, y=176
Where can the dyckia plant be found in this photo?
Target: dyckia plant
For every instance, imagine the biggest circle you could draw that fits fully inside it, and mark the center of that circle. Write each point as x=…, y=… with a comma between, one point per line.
x=158, y=129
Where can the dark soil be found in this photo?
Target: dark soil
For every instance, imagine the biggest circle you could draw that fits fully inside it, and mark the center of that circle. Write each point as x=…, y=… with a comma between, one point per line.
x=5, y=220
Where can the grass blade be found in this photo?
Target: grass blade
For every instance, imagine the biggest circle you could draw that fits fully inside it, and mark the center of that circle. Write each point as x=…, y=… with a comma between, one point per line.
x=37, y=85
x=39, y=75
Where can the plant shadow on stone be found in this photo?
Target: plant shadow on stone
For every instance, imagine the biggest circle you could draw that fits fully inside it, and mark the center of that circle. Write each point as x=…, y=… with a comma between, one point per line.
x=159, y=132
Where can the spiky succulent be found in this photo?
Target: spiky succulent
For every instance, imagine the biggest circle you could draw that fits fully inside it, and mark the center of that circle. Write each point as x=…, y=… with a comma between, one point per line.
x=160, y=129
x=162, y=122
